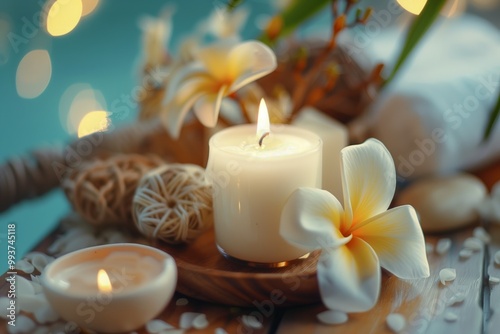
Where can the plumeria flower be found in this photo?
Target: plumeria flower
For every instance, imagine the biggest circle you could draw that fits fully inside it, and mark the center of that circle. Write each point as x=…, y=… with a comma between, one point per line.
x=219, y=70
x=361, y=237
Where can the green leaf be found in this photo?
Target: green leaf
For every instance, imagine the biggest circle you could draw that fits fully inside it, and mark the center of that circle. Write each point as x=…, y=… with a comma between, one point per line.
x=232, y=4
x=493, y=118
x=417, y=30
x=295, y=14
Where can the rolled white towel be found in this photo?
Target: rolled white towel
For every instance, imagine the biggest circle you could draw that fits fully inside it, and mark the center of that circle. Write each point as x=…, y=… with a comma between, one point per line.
x=433, y=116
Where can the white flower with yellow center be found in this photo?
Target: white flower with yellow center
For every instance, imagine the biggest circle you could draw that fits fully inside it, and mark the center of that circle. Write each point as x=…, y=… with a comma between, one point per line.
x=361, y=237
x=219, y=70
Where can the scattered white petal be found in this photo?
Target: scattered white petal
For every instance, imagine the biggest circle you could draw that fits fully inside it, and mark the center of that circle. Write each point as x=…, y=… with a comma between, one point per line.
x=157, y=325
x=396, y=322
x=187, y=319
x=181, y=302
x=84, y=241
x=37, y=284
x=447, y=274
x=173, y=331
x=443, y=246
x=494, y=280
x=496, y=258
x=429, y=248
x=25, y=266
x=4, y=304
x=450, y=317
x=24, y=286
x=23, y=325
x=42, y=330
x=251, y=321
x=61, y=328
x=41, y=260
x=31, y=302
x=465, y=253
x=46, y=314
x=200, y=322
x=456, y=299
x=473, y=244
x=31, y=255
x=219, y=330
x=480, y=233
x=332, y=317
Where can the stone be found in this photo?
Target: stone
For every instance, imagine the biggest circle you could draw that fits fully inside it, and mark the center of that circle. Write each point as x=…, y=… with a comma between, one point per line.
x=445, y=203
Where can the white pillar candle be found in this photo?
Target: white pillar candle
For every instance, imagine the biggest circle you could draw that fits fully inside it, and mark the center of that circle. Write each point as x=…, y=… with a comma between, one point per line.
x=252, y=183
x=106, y=288
x=335, y=137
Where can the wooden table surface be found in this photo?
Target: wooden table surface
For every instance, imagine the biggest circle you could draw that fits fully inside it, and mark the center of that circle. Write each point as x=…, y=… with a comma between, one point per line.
x=423, y=302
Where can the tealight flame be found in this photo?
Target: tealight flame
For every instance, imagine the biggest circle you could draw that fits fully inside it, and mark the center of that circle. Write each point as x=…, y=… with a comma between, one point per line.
x=263, y=126
x=103, y=282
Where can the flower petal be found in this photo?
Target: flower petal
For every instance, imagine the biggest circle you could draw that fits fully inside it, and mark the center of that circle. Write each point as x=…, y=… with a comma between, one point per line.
x=397, y=238
x=248, y=62
x=310, y=219
x=215, y=59
x=368, y=180
x=173, y=115
x=349, y=277
x=181, y=77
x=208, y=106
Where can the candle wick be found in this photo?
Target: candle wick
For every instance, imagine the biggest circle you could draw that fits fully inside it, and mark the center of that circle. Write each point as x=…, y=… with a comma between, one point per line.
x=262, y=138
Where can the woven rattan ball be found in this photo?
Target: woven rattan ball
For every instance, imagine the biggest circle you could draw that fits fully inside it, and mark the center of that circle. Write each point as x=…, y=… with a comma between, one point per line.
x=173, y=203
x=101, y=191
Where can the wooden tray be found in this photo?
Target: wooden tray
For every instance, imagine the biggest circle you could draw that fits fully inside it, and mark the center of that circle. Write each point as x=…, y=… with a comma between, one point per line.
x=205, y=274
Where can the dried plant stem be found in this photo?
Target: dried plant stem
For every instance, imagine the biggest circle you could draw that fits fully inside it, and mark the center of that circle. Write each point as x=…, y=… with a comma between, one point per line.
x=299, y=95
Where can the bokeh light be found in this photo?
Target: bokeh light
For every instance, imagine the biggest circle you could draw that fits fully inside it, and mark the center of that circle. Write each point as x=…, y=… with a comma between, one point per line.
x=76, y=101
x=33, y=74
x=89, y=6
x=63, y=16
x=450, y=9
x=413, y=6
x=93, y=121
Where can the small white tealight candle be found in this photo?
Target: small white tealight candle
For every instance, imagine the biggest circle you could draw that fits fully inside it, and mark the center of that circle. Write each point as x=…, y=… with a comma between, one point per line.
x=111, y=289
x=254, y=169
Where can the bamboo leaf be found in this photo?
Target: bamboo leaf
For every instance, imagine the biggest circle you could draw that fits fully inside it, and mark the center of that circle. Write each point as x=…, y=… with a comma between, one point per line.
x=294, y=15
x=417, y=30
x=492, y=119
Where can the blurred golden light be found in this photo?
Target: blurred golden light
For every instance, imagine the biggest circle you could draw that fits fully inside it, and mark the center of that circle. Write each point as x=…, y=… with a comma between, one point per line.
x=76, y=101
x=413, y=6
x=33, y=74
x=63, y=16
x=89, y=6
x=92, y=122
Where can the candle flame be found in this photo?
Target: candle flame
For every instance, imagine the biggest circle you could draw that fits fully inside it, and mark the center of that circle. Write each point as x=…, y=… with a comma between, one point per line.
x=263, y=125
x=103, y=282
